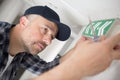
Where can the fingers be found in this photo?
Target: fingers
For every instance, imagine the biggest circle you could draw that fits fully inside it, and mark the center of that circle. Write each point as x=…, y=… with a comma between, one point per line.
x=90, y=40
x=116, y=52
x=113, y=41
x=84, y=38
x=103, y=37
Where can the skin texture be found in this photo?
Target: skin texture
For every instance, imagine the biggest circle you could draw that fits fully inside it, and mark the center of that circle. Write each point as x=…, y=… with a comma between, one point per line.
x=86, y=58
x=34, y=33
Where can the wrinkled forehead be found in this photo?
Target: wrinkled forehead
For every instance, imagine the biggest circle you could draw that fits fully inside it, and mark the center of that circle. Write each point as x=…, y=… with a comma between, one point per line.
x=52, y=25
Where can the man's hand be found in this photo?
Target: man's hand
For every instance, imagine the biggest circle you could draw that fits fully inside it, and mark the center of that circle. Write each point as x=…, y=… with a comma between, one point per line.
x=85, y=59
x=96, y=56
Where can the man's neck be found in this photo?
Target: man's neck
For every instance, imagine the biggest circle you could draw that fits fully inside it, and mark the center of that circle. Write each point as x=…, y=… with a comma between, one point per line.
x=15, y=45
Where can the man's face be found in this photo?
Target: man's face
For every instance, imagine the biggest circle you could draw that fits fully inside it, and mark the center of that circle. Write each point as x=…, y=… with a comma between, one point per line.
x=37, y=34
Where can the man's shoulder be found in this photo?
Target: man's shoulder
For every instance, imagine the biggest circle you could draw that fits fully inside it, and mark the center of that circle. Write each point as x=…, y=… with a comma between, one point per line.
x=2, y=23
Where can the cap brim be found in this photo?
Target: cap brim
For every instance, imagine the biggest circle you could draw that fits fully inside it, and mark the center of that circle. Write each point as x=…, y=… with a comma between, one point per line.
x=44, y=11
x=64, y=31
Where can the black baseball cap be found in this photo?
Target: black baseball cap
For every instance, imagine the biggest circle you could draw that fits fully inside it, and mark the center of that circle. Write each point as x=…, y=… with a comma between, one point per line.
x=46, y=12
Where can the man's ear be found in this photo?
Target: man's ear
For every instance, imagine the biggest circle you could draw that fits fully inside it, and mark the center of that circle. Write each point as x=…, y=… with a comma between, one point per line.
x=23, y=21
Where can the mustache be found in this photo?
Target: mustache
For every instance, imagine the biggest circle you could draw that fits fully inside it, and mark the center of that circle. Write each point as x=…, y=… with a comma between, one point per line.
x=42, y=43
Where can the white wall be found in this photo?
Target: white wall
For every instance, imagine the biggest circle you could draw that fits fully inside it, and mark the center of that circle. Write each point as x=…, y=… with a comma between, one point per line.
x=97, y=9
x=101, y=9
x=10, y=9
x=74, y=13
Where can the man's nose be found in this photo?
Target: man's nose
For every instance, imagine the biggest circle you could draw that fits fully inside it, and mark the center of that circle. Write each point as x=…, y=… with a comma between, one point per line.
x=47, y=39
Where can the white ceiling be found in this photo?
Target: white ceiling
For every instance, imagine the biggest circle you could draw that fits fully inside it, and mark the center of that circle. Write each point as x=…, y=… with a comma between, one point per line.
x=67, y=13
x=97, y=9
x=75, y=13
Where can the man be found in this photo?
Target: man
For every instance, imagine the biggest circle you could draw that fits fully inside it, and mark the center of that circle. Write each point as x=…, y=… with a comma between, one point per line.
x=36, y=30
x=87, y=58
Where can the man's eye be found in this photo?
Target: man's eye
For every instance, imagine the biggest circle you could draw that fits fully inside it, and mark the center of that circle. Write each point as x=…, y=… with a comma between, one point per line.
x=53, y=37
x=44, y=30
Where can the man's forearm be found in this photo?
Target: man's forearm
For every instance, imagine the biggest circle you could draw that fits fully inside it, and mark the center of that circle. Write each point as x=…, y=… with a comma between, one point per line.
x=65, y=71
x=85, y=59
x=67, y=55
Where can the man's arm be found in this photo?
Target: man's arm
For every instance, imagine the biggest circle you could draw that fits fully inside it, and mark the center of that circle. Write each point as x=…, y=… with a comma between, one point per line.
x=87, y=58
x=67, y=70
x=68, y=54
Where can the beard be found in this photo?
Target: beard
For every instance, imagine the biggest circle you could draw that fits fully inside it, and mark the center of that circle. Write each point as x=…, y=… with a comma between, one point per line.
x=34, y=48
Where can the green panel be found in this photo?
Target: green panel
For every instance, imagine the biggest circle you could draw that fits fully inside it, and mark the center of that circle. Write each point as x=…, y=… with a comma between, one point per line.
x=101, y=27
